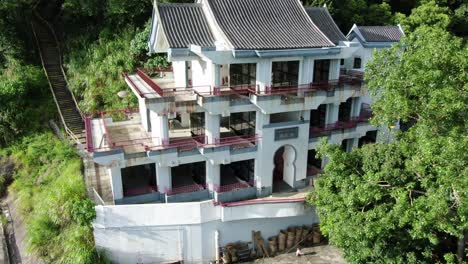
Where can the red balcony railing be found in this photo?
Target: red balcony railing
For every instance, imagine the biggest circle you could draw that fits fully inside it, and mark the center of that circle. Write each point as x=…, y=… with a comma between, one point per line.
x=243, y=89
x=352, y=123
x=89, y=134
x=233, y=187
x=140, y=190
x=329, y=85
x=243, y=141
x=132, y=84
x=168, y=92
x=185, y=189
x=312, y=171
x=185, y=144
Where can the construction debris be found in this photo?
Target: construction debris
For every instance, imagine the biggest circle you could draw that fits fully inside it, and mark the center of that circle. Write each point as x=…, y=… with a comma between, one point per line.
x=286, y=241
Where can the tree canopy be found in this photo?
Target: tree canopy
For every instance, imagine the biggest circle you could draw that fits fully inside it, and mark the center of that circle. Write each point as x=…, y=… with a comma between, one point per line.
x=405, y=202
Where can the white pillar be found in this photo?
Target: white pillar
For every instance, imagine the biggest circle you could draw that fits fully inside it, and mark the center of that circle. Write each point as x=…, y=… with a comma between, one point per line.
x=213, y=175
x=180, y=73
x=288, y=167
x=262, y=176
x=334, y=72
x=159, y=128
x=185, y=119
x=212, y=123
x=307, y=71
x=116, y=182
x=332, y=113
x=217, y=245
x=163, y=178
x=263, y=74
x=356, y=106
x=216, y=75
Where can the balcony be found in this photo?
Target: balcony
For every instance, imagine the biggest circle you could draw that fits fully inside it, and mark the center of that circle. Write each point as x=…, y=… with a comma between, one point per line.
x=188, y=193
x=147, y=194
x=238, y=142
x=364, y=117
x=122, y=130
x=298, y=88
x=237, y=191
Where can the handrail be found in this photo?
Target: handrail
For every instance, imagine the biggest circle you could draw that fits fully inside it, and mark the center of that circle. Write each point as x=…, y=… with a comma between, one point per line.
x=89, y=134
x=126, y=77
x=150, y=82
x=67, y=130
x=234, y=140
x=185, y=189
x=60, y=60
x=351, y=123
x=98, y=198
x=233, y=187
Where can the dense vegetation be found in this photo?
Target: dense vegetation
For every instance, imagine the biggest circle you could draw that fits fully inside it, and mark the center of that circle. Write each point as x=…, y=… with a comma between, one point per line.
x=406, y=202
x=52, y=199
x=375, y=12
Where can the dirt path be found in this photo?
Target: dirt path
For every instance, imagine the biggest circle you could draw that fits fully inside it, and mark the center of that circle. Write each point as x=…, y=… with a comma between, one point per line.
x=325, y=254
x=16, y=233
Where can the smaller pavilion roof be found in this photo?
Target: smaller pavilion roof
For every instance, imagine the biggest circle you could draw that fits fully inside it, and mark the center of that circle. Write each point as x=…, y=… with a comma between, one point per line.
x=324, y=21
x=380, y=33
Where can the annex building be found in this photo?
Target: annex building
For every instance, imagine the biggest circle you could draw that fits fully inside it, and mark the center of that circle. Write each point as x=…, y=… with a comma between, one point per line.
x=224, y=141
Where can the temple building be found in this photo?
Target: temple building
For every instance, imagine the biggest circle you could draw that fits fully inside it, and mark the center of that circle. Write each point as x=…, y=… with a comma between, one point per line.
x=224, y=141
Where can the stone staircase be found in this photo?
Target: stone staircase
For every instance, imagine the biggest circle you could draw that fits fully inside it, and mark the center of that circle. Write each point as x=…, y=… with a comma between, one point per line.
x=52, y=62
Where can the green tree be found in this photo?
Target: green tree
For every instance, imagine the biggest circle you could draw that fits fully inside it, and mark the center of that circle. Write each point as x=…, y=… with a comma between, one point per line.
x=24, y=106
x=360, y=12
x=429, y=14
x=405, y=202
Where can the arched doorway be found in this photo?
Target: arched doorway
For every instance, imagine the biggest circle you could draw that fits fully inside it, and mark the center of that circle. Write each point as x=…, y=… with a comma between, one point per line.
x=284, y=169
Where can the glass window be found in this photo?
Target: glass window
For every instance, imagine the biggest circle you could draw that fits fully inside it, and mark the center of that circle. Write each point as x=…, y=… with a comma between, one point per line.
x=357, y=63
x=321, y=70
x=243, y=73
x=285, y=73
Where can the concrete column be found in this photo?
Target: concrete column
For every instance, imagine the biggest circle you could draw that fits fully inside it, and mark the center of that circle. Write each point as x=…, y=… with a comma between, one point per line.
x=185, y=119
x=116, y=182
x=212, y=123
x=334, y=72
x=306, y=72
x=159, y=127
x=145, y=119
x=289, y=166
x=180, y=73
x=261, y=119
x=163, y=178
x=332, y=113
x=356, y=106
x=263, y=74
x=216, y=68
x=355, y=142
x=213, y=175
x=305, y=115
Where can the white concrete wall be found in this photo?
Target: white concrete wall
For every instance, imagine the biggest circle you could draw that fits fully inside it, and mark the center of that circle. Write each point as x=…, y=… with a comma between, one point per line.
x=185, y=231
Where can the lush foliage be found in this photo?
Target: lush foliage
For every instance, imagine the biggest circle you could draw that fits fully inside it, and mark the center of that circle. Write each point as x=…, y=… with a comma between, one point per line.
x=24, y=105
x=360, y=12
x=52, y=199
x=424, y=78
x=394, y=203
x=95, y=72
x=405, y=202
